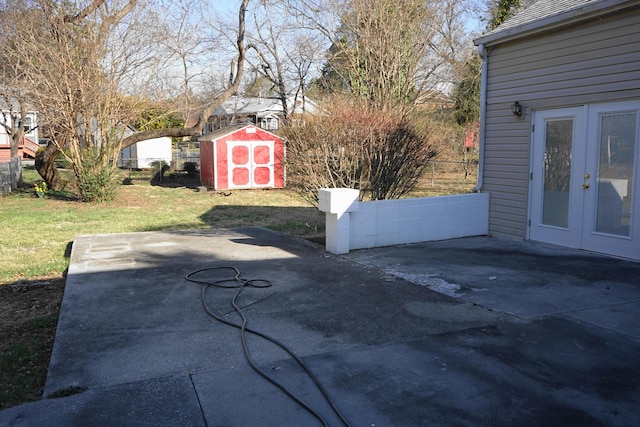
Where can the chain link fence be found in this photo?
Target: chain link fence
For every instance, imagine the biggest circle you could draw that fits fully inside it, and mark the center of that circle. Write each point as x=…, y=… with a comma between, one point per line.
x=451, y=168
x=443, y=177
x=182, y=157
x=176, y=163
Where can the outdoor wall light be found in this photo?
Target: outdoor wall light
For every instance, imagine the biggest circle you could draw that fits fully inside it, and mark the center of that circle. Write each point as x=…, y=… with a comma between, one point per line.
x=516, y=109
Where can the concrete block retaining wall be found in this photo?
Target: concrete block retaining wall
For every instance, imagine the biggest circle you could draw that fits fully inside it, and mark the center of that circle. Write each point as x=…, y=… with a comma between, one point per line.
x=352, y=224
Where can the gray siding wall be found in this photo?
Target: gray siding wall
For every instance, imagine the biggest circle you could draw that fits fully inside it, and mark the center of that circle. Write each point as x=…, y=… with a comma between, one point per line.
x=591, y=63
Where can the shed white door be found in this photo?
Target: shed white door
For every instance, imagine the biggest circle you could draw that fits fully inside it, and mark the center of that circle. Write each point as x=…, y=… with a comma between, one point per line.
x=251, y=164
x=584, y=179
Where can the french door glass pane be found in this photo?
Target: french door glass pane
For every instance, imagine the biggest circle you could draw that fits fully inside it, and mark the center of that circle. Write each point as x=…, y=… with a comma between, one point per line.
x=557, y=172
x=615, y=172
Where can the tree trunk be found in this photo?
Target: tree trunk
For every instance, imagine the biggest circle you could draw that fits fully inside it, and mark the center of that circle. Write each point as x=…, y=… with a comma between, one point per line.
x=46, y=166
x=16, y=139
x=15, y=150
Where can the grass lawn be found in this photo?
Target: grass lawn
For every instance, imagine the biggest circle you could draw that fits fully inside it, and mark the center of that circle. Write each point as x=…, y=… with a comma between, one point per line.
x=37, y=236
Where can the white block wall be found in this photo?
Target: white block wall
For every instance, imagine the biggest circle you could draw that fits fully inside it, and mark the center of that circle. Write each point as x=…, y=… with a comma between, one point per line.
x=393, y=222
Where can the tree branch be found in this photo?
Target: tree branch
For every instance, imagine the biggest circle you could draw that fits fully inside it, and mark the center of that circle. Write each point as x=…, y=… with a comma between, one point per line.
x=91, y=7
x=237, y=68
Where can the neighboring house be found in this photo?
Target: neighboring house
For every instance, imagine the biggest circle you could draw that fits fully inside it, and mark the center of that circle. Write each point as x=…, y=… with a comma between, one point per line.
x=560, y=125
x=266, y=113
x=142, y=154
x=29, y=144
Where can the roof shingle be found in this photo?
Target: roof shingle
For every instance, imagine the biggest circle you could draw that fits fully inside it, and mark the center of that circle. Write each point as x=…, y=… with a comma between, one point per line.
x=546, y=14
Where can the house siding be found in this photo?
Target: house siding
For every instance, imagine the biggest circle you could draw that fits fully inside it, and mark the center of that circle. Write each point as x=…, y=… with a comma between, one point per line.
x=590, y=63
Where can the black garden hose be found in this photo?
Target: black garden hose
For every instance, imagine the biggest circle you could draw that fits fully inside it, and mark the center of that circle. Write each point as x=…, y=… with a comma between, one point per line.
x=239, y=283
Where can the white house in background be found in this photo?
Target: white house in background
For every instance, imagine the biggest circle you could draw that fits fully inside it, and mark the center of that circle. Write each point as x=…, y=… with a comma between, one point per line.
x=266, y=113
x=29, y=145
x=142, y=154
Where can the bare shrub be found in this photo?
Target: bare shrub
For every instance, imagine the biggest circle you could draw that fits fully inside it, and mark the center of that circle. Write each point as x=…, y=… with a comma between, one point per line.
x=379, y=152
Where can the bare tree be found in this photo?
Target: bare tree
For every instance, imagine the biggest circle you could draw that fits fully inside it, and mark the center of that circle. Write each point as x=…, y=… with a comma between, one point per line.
x=383, y=48
x=303, y=58
x=284, y=53
x=184, y=42
x=236, y=71
x=280, y=53
x=391, y=53
x=388, y=52
x=79, y=64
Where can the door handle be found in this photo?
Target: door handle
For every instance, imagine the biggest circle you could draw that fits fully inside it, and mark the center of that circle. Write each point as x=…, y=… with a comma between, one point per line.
x=585, y=186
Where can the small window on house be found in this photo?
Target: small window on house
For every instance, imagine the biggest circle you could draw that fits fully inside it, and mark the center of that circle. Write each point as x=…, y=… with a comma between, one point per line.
x=269, y=123
x=28, y=126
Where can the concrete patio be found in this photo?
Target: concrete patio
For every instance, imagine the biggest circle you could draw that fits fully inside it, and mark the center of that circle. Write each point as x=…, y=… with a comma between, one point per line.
x=464, y=332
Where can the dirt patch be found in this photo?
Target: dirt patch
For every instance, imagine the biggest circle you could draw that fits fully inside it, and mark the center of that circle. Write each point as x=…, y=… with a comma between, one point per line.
x=28, y=319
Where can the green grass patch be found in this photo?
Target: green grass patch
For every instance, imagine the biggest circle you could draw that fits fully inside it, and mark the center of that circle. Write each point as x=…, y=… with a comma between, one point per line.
x=44, y=322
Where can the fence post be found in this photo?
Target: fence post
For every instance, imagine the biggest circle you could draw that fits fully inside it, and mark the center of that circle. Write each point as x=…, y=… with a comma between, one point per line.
x=337, y=203
x=433, y=172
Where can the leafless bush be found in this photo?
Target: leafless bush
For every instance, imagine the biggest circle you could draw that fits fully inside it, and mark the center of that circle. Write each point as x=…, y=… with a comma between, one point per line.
x=379, y=152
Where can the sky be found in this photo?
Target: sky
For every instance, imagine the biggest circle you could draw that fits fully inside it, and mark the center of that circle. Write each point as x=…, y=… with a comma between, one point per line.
x=225, y=6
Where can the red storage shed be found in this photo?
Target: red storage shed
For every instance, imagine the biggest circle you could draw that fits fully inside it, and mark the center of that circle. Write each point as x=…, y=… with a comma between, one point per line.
x=244, y=157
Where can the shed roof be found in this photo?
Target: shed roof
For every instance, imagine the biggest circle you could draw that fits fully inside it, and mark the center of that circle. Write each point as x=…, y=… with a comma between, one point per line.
x=233, y=129
x=549, y=15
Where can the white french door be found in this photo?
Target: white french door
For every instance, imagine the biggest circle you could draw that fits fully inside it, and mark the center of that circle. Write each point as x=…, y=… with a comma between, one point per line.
x=584, y=178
